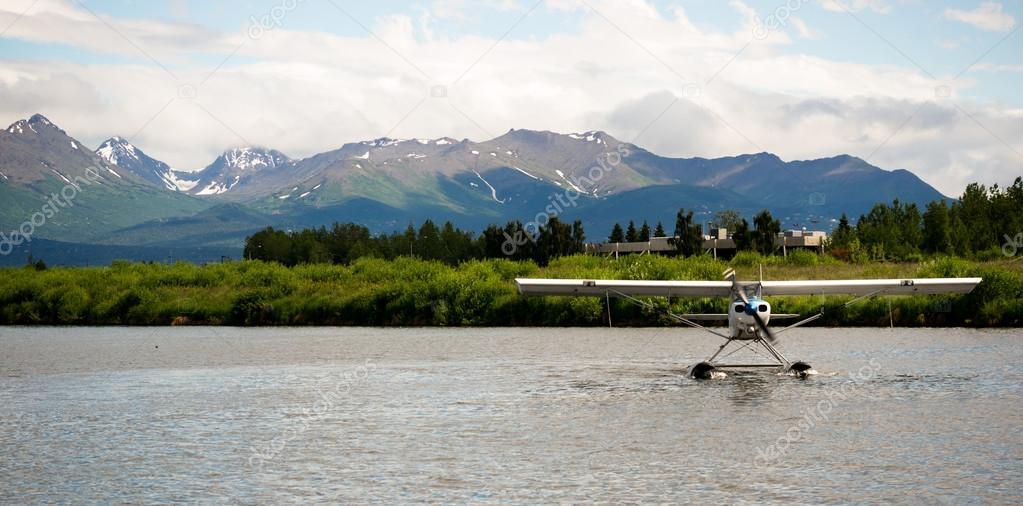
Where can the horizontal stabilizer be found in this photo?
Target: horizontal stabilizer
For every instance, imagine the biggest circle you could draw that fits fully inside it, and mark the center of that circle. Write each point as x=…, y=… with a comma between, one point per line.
x=530, y=286
x=705, y=317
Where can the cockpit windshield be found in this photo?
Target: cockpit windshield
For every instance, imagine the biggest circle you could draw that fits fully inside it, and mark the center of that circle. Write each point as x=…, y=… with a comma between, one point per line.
x=752, y=291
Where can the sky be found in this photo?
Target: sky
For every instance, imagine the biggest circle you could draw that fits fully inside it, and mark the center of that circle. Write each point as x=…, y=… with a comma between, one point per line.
x=928, y=86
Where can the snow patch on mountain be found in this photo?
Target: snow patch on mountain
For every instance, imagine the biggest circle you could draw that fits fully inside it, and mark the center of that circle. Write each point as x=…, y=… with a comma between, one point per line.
x=214, y=188
x=252, y=158
x=570, y=183
x=587, y=136
x=526, y=173
x=493, y=191
x=173, y=182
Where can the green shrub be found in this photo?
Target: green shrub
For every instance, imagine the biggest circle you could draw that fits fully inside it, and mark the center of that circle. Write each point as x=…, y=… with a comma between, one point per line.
x=416, y=292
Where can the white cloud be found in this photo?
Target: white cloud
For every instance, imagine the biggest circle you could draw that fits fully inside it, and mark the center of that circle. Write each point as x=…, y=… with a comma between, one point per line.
x=951, y=44
x=460, y=9
x=994, y=67
x=803, y=30
x=988, y=16
x=879, y=6
x=309, y=92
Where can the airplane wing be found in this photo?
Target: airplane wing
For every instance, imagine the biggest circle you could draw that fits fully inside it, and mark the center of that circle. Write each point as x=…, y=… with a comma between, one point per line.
x=871, y=286
x=598, y=287
x=531, y=286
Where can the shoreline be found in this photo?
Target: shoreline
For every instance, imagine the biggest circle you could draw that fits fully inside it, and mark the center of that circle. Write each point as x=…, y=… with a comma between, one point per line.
x=409, y=292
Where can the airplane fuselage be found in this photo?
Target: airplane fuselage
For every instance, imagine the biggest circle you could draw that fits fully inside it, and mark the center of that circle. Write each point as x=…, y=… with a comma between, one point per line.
x=741, y=322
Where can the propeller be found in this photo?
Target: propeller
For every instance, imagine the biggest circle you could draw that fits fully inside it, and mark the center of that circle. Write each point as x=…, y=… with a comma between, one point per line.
x=764, y=328
x=750, y=310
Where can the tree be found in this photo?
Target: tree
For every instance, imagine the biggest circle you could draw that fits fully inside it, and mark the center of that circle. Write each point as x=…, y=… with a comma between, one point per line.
x=909, y=228
x=688, y=240
x=347, y=241
x=765, y=232
x=960, y=236
x=555, y=239
x=727, y=219
x=843, y=234
x=742, y=237
x=522, y=240
x=306, y=248
x=617, y=235
x=429, y=244
x=644, y=232
x=974, y=210
x=890, y=231
x=937, y=233
x=491, y=241
x=578, y=237
x=630, y=233
x=460, y=246
x=659, y=231
x=268, y=245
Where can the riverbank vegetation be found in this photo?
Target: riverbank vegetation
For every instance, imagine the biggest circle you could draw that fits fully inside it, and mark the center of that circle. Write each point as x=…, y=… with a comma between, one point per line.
x=409, y=291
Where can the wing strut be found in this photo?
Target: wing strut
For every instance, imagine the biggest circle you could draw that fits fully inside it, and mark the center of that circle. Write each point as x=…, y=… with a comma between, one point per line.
x=674, y=316
x=608, y=299
x=821, y=314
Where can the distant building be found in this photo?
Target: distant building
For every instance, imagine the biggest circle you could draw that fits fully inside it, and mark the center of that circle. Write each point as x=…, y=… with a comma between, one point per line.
x=718, y=242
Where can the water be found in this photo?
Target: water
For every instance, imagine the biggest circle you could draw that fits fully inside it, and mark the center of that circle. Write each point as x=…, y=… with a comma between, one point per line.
x=203, y=415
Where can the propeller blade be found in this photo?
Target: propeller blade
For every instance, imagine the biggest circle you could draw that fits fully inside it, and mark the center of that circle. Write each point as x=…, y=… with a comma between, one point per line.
x=763, y=328
x=730, y=276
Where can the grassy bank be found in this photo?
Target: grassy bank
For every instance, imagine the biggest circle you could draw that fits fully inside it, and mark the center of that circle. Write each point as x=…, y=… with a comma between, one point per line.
x=481, y=293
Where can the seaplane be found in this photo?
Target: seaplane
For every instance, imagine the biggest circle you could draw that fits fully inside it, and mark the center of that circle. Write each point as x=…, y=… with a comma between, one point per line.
x=749, y=312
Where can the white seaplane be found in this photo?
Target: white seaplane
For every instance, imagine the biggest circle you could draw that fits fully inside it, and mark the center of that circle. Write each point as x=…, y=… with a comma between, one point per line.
x=748, y=313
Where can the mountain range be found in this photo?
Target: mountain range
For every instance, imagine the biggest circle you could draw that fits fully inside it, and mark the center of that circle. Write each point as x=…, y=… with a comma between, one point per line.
x=140, y=202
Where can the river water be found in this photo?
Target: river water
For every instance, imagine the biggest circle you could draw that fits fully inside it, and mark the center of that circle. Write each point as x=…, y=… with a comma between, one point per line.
x=504, y=416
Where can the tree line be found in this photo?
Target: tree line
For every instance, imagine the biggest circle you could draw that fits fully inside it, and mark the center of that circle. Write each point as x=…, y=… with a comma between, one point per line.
x=978, y=225
x=343, y=243
x=982, y=224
